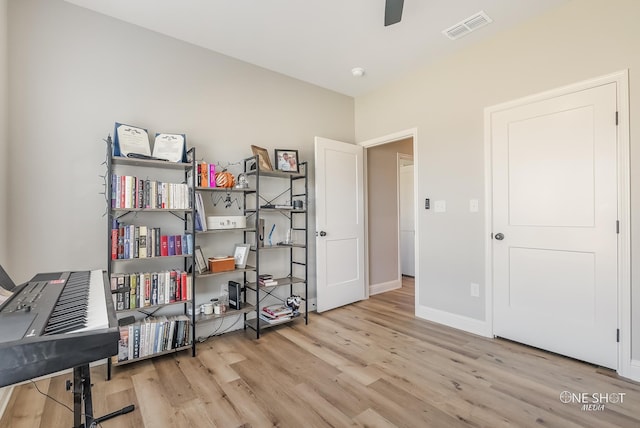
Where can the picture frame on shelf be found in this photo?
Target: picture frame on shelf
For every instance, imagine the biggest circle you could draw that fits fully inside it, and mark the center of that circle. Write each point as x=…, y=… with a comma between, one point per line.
x=263, y=158
x=241, y=254
x=201, y=263
x=170, y=147
x=129, y=139
x=286, y=160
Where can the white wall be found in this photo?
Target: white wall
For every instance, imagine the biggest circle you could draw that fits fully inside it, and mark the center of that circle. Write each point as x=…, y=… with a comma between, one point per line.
x=73, y=73
x=445, y=101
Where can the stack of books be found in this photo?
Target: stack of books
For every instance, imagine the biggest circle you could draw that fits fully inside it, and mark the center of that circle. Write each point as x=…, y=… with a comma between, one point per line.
x=275, y=314
x=266, y=280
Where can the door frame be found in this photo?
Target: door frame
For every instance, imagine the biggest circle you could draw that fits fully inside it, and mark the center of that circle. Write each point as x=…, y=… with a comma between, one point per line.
x=621, y=78
x=391, y=138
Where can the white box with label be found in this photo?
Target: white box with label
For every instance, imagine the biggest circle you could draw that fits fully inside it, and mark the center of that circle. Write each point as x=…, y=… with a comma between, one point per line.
x=226, y=222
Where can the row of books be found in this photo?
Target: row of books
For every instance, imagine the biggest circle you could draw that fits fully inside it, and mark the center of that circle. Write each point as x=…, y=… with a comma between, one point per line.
x=134, y=192
x=139, y=290
x=206, y=175
x=152, y=335
x=132, y=242
x=275, y=314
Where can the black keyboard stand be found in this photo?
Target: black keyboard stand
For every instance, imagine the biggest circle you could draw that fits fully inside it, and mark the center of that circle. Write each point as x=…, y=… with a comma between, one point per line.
x=82, y=393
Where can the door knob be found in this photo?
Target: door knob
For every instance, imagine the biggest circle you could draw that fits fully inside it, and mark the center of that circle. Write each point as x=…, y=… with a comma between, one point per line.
x=323, y=233
x=499, y=236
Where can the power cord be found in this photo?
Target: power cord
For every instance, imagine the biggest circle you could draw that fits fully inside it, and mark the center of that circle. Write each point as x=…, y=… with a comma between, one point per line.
x=63, y=405
x=217, y=331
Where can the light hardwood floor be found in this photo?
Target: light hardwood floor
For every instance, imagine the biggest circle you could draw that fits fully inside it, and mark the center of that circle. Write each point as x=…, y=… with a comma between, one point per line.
x=371, y=364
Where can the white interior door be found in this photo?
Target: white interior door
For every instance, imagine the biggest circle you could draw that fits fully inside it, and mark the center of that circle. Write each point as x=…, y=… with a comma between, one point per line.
x=339, y=223
x=554, y=224
x=407, y=221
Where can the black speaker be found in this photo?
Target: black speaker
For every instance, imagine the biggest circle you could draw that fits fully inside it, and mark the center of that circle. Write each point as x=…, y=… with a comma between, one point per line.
x=235, y=300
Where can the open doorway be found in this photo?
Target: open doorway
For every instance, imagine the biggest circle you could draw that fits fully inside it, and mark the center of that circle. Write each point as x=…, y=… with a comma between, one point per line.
x=388, y=213
x=406, y=210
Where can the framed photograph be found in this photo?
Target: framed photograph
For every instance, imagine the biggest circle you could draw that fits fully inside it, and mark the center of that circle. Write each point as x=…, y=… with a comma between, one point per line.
x=263, y=158
x=286, y=160
x=241, y=254
x=201, y=263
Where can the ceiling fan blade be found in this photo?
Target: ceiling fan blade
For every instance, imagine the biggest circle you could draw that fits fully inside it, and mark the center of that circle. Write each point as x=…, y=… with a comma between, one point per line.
x=393, y=12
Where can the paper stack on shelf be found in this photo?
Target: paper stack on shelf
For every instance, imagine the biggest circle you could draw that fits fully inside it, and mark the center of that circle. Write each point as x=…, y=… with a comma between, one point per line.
x=276, y=314
x=266, y=280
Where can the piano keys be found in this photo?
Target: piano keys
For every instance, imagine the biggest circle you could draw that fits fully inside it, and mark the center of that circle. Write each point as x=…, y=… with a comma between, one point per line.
x=54, y=322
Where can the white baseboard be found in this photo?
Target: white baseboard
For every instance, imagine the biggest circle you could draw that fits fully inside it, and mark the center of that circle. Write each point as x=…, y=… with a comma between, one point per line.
x=5, y=396
x=470, y=325
x=385, y=286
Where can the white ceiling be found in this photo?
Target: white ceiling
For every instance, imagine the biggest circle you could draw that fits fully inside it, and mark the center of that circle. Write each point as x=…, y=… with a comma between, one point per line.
x=320, y=41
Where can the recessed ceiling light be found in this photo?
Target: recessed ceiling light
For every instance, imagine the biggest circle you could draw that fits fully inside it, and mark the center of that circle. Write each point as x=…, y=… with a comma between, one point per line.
x=357, y=72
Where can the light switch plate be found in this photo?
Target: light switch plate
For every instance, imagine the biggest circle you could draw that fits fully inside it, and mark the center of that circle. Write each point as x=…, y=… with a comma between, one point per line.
x=440, y=206
x=473, y=205
x=475, y=290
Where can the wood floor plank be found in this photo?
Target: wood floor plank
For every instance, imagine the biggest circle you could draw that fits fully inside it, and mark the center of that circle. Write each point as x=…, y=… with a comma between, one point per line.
x=26, y=407
x=369, y=364
x=154, y=405
x=370, y=419
x=326, y=410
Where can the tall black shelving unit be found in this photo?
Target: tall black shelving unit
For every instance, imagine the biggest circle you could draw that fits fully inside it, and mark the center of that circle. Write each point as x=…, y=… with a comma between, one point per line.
x=187, y=216
x=298, y=252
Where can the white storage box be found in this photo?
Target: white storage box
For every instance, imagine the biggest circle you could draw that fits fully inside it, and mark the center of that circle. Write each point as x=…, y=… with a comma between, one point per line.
x=226, y=222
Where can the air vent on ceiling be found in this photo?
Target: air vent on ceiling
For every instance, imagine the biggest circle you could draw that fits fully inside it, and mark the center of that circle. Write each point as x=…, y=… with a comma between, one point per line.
x=468, y=25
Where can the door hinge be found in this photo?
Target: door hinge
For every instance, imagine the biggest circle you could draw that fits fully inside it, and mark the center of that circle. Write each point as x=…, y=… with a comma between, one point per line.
x=618, y=226
x=618, y=335
x=616, y=118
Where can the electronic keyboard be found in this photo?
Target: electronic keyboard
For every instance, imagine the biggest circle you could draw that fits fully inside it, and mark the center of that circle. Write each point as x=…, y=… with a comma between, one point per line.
x=55, y=322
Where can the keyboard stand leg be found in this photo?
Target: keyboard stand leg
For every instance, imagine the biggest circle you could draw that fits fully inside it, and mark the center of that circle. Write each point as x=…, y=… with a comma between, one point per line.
x=82, y=392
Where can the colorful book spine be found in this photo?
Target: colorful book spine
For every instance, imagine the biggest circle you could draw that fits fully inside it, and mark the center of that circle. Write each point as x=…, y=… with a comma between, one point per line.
x=212, y=175
x=171, y=245
x=204, y=174
x=114, y=239
x=164, y=246
x=178, y=245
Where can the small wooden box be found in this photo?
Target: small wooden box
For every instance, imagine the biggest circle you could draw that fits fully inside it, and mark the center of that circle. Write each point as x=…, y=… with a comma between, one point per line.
x=222, y=264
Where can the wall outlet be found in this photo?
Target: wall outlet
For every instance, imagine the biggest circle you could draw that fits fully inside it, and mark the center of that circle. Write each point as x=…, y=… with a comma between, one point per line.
x=473, y=205
x=440, y=206
x=475, y=290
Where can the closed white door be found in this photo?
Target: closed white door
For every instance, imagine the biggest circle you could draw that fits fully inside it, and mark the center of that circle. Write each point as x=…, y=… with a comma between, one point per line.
x=407, y=222
x=554, y=224
x=339, y=223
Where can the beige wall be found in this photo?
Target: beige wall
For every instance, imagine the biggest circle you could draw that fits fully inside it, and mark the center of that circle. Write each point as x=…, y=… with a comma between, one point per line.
x=4, y=134
x=382, y=206
x=73, y=73
x=4, y=147
x=581, y=40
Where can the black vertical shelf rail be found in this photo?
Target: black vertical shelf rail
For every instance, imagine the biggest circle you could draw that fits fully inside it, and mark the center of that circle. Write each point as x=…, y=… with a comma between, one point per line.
x=189, y=262
x=305, y=210
x=257, y=220
x=108, y=197
x=247, y=163
x=254, y=162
